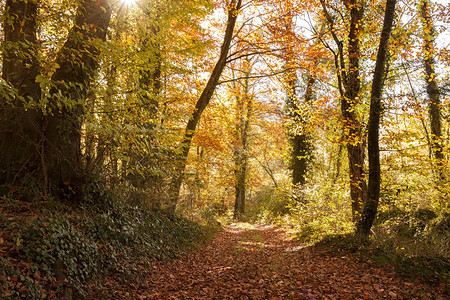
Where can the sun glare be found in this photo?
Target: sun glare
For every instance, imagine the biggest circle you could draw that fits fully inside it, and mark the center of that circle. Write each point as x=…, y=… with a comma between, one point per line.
x=129, y=2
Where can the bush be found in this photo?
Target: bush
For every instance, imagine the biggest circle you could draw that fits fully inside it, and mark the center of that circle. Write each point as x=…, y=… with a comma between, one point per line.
x=322, y=210
x=270, y=204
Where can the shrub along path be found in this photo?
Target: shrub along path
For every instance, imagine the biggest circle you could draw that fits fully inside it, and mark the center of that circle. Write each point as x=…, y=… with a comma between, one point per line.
x=261, y=262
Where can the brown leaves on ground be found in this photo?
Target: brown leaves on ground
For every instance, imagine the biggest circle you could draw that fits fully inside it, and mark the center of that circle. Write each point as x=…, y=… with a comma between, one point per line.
x=262, y=263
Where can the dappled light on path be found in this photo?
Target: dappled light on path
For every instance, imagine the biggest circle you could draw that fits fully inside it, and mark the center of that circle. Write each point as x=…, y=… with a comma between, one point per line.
x=261, y=262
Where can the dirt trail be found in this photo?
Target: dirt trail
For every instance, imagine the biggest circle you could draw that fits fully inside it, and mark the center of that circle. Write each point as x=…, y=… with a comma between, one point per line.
x=262, y=263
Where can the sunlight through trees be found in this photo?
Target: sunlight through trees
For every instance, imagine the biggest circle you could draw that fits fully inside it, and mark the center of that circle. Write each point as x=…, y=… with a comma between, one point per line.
x=331, y=117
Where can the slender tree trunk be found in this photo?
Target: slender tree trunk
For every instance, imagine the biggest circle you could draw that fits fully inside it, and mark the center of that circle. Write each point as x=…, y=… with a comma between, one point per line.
x=20, y=125
x=338, y=164
x=243, y=116
x=240, y=186
x=353, y=129
x=233, y=11
x=371, y=205
x=434, y=111
x=349, y=88
x=77, y=61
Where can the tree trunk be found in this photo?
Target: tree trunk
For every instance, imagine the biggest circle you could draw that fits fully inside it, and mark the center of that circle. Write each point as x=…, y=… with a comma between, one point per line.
x=240, y=186
x=77, y=61
x=349, y=87
x=371, y=205
x=142, y=160
x=353, y=129
x=20, y=125
x=301, y=141
x=244, y=102
x=233, y=11
x=299, y=138
x=434, y=111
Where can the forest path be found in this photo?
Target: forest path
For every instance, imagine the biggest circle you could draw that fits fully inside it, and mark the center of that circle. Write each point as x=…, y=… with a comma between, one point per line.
x=261, y=262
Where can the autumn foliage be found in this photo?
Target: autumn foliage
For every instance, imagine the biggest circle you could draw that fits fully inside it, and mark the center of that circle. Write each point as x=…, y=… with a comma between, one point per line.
x=328, y=117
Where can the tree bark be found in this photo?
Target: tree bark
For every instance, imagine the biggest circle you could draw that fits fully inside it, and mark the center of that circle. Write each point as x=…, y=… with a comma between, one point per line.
x=77, y=62
x=434, y=111
x=349, y=88
x=352, y=126
x=241, y=163
x=299, y=138
x=243, y=115
x=20, y=125
x=301, y=141
x=233, y=10
x=371, y=205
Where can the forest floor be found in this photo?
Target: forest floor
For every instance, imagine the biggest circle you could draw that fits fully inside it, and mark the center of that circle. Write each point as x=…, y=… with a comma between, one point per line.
x=262, y=262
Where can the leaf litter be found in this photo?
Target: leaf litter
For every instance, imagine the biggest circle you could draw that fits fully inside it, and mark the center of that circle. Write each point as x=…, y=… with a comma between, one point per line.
x=261, y=262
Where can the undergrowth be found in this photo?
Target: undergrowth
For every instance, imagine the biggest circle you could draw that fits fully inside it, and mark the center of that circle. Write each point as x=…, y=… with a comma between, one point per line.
x=416, y=244
x=415, y=240
x=51, y=249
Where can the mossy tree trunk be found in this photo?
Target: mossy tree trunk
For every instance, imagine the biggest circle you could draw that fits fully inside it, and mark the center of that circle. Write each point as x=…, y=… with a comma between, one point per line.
x=302, y=148
x=299, y=137
x=76, y=62
x=20, y=115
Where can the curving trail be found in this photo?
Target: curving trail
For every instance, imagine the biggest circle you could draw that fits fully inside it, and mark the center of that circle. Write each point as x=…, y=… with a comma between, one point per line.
x=262, y=263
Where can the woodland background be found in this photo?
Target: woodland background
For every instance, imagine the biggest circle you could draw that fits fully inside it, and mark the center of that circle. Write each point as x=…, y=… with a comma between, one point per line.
x=120, y=116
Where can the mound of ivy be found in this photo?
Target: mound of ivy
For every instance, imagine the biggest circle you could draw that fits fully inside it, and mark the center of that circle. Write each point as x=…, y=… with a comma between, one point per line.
x=64, y=248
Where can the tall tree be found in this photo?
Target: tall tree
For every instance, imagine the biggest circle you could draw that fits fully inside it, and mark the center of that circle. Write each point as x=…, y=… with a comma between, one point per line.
x=434, y=111
x=147, y=100
x=76, y=63
x=349, y=84
x=20, y=116
x=371, y=205
x=301, y=152
x=233, y=7
x=244, y=110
